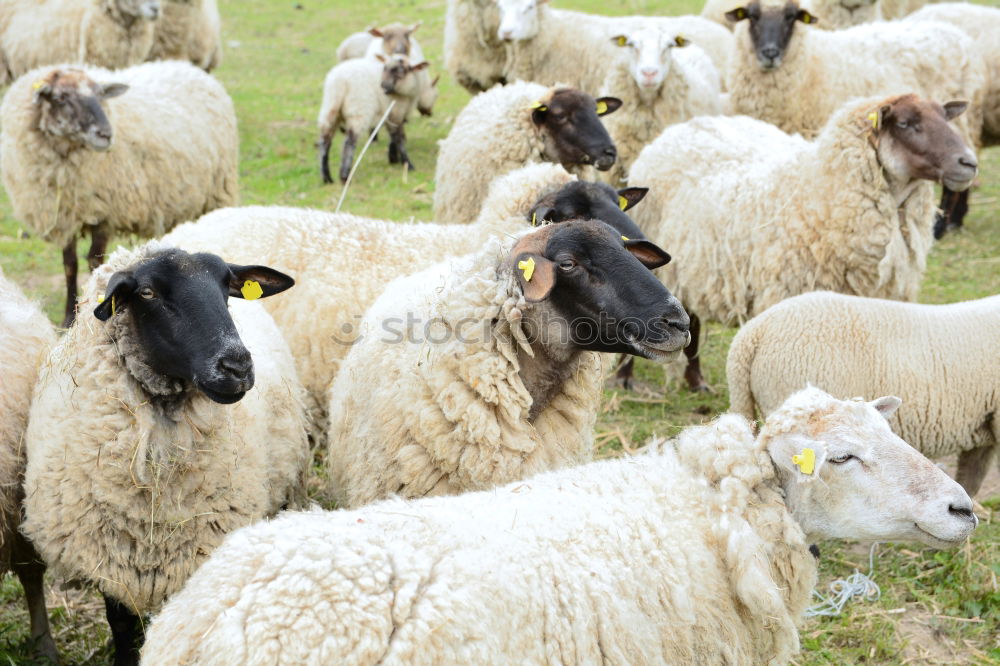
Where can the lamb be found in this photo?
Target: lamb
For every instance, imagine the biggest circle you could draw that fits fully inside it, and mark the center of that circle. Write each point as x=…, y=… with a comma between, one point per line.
x=482, y=369
x=25, y=338
x=551, y=46
x=796, y=77
x=189, y=30
x=102, y=33
x=57, y=125
x=853, y=348
x=659, y=84
x=510, y=126
x=693, y=552
x=759, y=215
x=343, y=262
x=356, y=94
x=139, y=463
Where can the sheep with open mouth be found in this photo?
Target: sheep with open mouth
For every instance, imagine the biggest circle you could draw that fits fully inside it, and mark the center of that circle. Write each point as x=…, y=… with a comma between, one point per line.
x=484, y=369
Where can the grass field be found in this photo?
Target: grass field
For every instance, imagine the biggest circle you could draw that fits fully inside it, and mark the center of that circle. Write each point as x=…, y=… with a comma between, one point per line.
x=935, y=608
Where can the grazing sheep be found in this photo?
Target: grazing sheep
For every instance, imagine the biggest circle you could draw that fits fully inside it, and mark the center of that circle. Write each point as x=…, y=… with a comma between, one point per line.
x=659, y=85
x=694, y=552
x=758, y=215
x=138, y=462
x=343, y=262
x=189, y=30
x=839, y=14
x=482, y=369
x=509, y=127
x=356, y=94
x=796, y=77
x=25, y=338
x=58, y=124
x=942, y=367
x=101, y=33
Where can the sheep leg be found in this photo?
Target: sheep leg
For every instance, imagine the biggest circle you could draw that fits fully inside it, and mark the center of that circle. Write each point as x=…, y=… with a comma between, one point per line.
x=973, y=466
x=126, y=632
x=99, y=236
x=393, y=148
x=626, y=365
x=347, y=155
x=70, y=268
x=324, y=158
x=692, y=373
x=30, y=571
x=954, y=206
x=398, y=137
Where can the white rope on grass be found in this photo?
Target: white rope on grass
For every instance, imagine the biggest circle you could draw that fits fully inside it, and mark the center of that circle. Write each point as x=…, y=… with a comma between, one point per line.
x=357, y=162
x=843, y=590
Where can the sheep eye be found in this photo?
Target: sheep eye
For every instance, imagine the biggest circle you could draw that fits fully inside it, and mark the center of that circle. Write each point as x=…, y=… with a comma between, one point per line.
x=567, y=265
x=840, y=460
x=147, y=293
x=902, y=124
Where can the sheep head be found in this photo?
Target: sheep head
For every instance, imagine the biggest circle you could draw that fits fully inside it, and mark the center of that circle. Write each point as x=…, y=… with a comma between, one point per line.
x=395, y=37
x=571, y=129
x=648, y=55
x=70, y=107
x=846, y=475
x=771, y=28
x=582, y=200
x=147, y=10
x=398, y=75
x=519, y=19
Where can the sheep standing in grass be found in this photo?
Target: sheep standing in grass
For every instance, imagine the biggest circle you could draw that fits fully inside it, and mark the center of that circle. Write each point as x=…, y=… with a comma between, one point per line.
x=509, y=127
x=659, y=84
x=25, y=338
x=943, y=365
x=483, y=369
x=343, y=262
x=73, y=159
x=139, y=463
x=694, y=552
x=102, y=33
x=791, y=75
x=759, y=215
x=189, y=30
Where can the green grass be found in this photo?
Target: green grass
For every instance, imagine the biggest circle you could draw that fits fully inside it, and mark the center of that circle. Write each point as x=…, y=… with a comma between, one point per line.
x=935, y=607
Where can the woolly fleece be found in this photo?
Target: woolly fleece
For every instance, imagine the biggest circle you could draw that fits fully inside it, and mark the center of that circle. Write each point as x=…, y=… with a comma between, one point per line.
x=189, y=30
x=133, y=496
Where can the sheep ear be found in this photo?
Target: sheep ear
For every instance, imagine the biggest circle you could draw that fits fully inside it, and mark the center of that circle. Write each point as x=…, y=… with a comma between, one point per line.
x=380, y=57
x=953, y=110
x=681, y=41
x=736, y=15
x=619, y=40
x=536, y=275
x=413, y=28
x=798, y=456
x=43, y=90
x=648, y=254
x=253, y=282
x=539, y=214
x=419, y=66
x=121, y=286
x=886, y=405
x=113, y=90
x=806, y=17
x=374, y=32
x=630, y=196
x=606, y=105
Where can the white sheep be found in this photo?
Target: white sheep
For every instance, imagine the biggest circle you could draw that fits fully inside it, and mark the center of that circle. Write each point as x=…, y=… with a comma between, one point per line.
x=25, y=339
x=755, y=215
x=138, y=462
x=483, y=369
x=798, y=84
x=693, y=552
x=942, y=367
x=983, y=25
x=102, y=33
x=551, y=46
x=73, y=159
x=659, y=85
x=343, y=262
x=472, y=50
x=189, y=30
x=511, y=126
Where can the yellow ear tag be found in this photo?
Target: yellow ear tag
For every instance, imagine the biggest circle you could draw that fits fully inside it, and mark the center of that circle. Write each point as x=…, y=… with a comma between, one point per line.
x=37, y=84
x=680, y=41
x=807, y=18
x=534, y=219
x=602, y=107
x=622, y=40
x=806, y=461
x=251, y=290
x=538, y=106
x=741, y=13
x=873, y=116
x=622, y=202
x=625, y=238
x=527, y=267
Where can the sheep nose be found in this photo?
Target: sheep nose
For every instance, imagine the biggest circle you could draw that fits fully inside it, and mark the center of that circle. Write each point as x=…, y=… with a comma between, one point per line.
x=770, y=52
x=506, y=35
x=238, y=366
x=963, y=511
x=611, y=152
x=649, y=71
x=968, y=161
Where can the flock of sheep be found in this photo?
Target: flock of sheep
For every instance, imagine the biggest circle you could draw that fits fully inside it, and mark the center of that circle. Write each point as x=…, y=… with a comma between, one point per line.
x=787, y=170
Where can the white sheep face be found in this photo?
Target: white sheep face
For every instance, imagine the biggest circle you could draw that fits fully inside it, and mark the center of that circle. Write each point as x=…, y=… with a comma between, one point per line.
x=518, y=19
x=146, y=9
x=649, y=55
x=865, y=482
